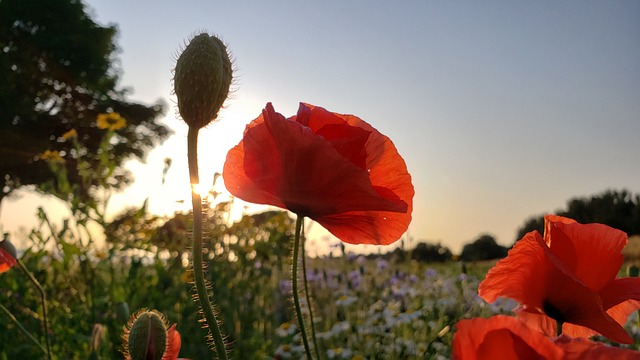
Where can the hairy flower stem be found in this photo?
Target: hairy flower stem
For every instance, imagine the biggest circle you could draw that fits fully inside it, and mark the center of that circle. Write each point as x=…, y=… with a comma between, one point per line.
x=306, y=294
x=43, y=297
x=294, y=285
x=25, y=331
x=198, y=268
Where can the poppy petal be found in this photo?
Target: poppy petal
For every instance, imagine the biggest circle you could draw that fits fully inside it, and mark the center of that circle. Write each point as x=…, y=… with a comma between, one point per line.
x=575, y=349
x=621, y=312
x=173, y=344
x=593, y=252
x=537, y=321
x=520, y=275
x=620, y=290
x=7, y=261
x=386, y=167
x=500, y=337
x=366, y=227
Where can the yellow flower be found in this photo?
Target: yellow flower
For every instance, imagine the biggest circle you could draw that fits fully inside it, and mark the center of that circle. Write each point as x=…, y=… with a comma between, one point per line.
x=111, y=121
x=53, y=156
x=71, y=134
x=187, y=276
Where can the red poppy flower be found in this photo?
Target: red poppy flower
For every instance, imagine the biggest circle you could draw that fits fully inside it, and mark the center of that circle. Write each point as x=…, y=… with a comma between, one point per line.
x=336, y=169
x=501, y=337
x=7, y=256
x=569, y=276
x=505, y=337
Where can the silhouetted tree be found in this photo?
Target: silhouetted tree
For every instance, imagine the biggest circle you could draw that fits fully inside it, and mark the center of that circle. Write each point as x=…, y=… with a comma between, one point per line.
x=426, y=252
x=531, y=224
x=618, y=209
x=483, y=248
x=58, y=73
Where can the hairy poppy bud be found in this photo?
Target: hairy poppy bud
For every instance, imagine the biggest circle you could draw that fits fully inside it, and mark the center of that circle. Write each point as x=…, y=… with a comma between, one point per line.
x=146, y=337
x=201, y=80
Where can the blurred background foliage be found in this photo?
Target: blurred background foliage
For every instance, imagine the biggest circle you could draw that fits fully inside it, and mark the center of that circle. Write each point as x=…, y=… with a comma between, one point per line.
x=59, y=71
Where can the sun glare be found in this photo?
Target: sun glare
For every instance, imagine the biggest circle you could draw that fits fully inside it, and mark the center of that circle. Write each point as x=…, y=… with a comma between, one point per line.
x=200, y=189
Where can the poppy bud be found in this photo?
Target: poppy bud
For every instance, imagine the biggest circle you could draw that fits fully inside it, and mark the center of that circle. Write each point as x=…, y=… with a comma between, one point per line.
x=122, y=311
x=633, y=270
x=201, y=80
x=146, y=338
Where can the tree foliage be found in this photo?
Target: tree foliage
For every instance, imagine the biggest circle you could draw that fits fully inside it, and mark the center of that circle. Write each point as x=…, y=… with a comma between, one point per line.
x=483, y=248
x=58, y=71
x=426, y=252
x=618, y=209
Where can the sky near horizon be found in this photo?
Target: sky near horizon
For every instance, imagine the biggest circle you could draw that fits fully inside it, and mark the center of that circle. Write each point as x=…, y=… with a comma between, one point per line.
x=501, y=109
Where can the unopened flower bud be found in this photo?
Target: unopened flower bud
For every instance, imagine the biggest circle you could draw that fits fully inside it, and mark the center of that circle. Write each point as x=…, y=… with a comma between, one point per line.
x=146, y=338
x=633, y=270
x=122, y=311
x=202, y=79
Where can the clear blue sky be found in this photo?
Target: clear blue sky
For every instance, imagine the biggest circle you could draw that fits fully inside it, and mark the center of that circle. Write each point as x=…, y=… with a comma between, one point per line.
x=501, y=109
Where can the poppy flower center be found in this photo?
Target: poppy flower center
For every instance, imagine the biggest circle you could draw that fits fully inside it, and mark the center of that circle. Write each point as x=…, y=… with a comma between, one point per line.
x=552, y=311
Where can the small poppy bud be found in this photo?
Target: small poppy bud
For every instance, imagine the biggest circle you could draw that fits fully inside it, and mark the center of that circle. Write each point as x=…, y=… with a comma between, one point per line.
x=146, y=338
x=633, y=270
x=201, y=80
x=122, y=311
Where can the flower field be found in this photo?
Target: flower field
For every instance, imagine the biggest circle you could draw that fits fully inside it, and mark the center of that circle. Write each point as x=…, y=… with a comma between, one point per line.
x=364, y=308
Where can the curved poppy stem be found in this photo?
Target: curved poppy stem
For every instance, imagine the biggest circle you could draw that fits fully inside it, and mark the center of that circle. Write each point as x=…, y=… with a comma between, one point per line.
x=294, y=286
x=43, y=297
x=306, y=294
x=25, y=331
x=198, y=265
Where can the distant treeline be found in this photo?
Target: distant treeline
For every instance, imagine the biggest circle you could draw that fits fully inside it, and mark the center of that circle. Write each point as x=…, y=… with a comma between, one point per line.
x=618, y=209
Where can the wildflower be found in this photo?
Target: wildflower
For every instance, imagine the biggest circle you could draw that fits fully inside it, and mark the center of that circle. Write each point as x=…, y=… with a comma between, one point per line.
x=71, y=134
x=111, y=121
x=202, y=79
x=287, y=351
x=567, y=277
x=286, y=329
x=51, y=155
x=7, y=255
x=505, y=337
x=335, y=169
x=146, y=336
x=344, y=300
x=339, y=353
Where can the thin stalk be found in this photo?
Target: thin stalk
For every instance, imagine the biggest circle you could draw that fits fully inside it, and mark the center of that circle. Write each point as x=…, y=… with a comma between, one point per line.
x=306, y=294
x=25, y=331
x=44, y=305
x=559, y=327
x=198, y=267
x=294, y=286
